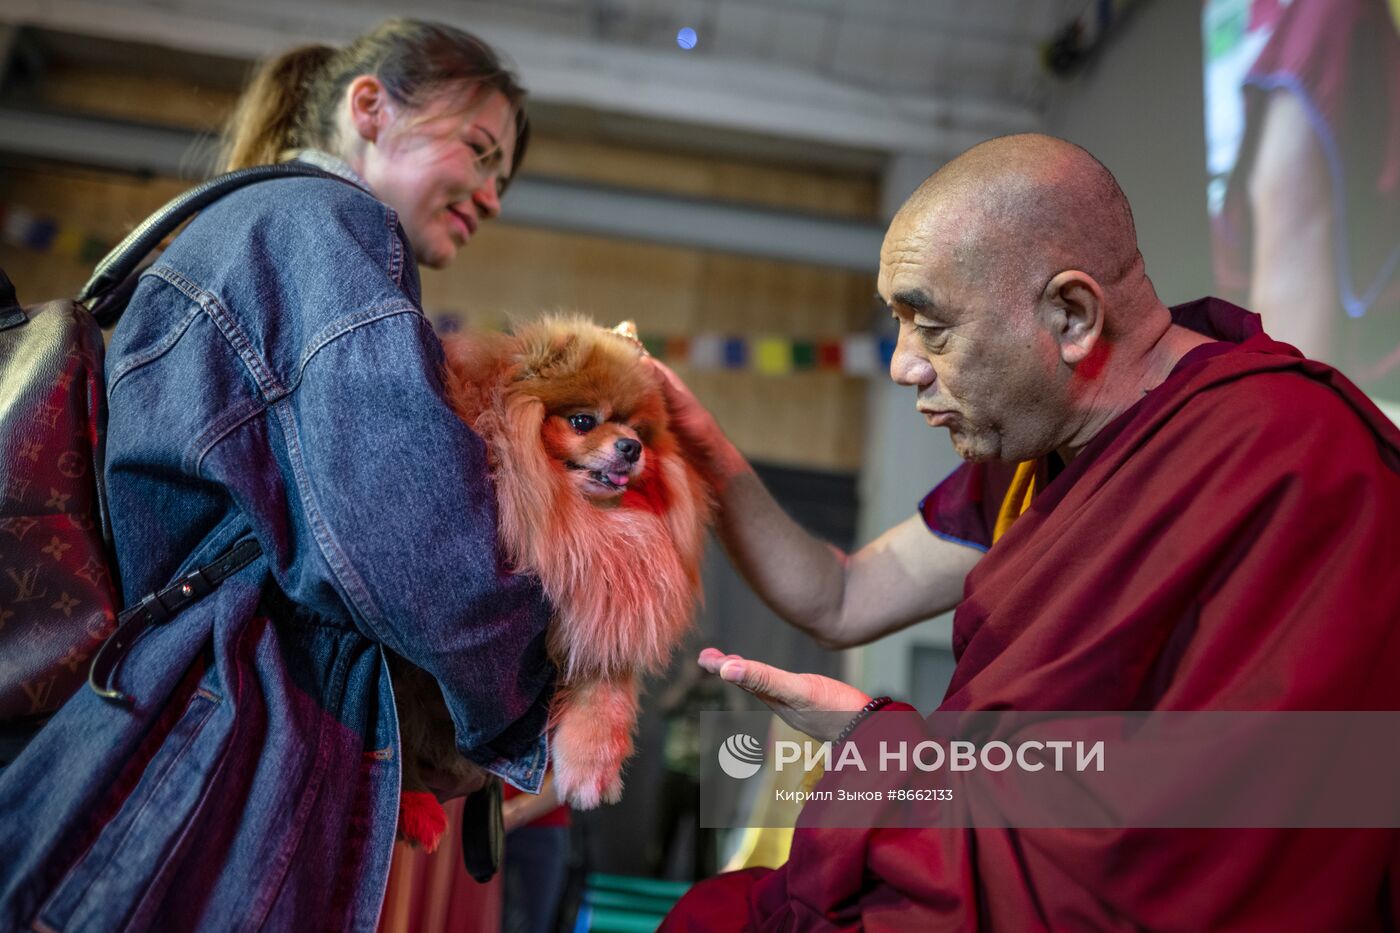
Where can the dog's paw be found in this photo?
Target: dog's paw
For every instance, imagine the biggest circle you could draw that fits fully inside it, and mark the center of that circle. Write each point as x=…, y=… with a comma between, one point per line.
x=592, y=742
x=584, y=791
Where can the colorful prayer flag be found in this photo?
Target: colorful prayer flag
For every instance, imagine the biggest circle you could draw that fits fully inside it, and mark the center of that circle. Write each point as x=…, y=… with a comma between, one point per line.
x=707, y=351
x=859, y=354
x=772, y=356
x=736, y=353
x=804, y=354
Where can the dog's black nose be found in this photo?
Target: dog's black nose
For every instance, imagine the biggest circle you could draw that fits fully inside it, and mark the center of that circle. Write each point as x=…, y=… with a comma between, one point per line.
x=629, y=448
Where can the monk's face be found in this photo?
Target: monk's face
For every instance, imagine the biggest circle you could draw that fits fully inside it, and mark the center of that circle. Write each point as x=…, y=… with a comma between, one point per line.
x=974, y=347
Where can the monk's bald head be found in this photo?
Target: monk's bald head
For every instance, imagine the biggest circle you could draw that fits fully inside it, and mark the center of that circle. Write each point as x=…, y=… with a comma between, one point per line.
x=1015, y=210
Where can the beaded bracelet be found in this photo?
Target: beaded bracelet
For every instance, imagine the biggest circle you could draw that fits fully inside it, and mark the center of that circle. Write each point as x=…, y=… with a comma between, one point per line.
x=866, y=710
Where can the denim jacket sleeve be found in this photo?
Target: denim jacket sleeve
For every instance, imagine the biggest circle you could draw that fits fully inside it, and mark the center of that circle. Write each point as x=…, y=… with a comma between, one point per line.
x=386, y=511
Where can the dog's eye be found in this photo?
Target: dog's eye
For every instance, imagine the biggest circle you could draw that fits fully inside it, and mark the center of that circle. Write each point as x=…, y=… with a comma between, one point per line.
x=583, y=423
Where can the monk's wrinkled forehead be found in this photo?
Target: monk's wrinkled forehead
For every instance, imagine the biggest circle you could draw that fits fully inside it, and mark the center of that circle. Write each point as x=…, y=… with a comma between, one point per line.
x=934, y=248
x=904, y=255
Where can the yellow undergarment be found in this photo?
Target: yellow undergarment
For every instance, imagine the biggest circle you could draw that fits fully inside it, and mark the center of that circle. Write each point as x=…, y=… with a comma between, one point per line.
x=768, y=847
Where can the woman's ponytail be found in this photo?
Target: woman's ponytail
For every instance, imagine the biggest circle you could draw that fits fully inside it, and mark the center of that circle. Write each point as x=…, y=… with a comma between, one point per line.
x=293, y=99
x=268, y=117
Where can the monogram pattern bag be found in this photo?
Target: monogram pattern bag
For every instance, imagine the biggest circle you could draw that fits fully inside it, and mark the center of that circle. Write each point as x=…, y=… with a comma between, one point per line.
x=58, y=596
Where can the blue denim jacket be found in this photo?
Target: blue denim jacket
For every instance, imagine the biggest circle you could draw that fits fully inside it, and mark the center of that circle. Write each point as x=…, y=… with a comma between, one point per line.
x=274, y=375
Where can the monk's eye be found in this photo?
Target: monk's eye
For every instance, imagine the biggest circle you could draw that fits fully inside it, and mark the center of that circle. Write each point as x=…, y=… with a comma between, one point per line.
x=583, y=423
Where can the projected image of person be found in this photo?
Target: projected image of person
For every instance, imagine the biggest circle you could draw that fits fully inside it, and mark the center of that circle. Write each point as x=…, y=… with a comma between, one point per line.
x=1303, y=150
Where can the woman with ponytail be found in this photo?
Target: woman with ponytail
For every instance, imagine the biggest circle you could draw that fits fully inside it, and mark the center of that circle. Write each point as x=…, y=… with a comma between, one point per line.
x=274, y=380
x=401, y=106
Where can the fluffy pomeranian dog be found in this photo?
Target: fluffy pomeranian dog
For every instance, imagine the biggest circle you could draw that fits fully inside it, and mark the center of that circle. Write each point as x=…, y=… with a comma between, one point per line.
x=595, y=500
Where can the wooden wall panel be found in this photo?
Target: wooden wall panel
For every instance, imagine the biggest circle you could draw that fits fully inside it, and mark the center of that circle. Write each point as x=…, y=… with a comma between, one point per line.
x=521, y=271
x=700, y=176
x=169, y=101
x=814, y=420
x=803, y=419
x=139, y=97
x=103, y=204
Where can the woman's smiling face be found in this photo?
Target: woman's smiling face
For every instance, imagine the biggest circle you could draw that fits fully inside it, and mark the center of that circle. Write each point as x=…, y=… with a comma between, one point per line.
x=442, y=169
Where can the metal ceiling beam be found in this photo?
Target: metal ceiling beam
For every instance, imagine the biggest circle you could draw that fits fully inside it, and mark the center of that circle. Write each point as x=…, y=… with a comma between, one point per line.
x=698, y=224
x=722, y=94
x=108, y=144
x=8, y=33
x=550, y=203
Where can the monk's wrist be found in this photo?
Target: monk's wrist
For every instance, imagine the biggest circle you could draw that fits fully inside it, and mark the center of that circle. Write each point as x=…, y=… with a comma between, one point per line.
x=725, y=464
x=875, y=705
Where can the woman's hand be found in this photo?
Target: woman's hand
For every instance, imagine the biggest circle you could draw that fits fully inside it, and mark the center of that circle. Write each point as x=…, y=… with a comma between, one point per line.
x=703, y=442
x=803, y=701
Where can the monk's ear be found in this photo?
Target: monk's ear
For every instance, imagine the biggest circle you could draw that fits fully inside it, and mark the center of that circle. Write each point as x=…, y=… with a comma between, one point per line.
x=1074, y=308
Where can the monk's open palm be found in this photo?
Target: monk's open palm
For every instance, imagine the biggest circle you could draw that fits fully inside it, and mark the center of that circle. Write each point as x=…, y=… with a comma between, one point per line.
x=803, y=701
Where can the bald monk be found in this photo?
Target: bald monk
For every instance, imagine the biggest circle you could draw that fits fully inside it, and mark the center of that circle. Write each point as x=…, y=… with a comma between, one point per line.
x=1162, y=508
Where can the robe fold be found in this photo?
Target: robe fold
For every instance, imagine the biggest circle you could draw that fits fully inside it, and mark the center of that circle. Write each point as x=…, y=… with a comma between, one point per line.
x=1231, y=542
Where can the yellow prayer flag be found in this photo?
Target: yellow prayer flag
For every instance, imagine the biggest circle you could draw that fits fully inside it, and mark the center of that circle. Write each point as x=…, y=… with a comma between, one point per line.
x=772, y=356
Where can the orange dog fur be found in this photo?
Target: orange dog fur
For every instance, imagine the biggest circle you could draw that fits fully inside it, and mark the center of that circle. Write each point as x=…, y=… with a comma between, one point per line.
x=595, y=500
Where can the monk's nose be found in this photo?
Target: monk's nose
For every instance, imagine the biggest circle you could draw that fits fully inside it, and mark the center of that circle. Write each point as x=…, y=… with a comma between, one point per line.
x=908, y=367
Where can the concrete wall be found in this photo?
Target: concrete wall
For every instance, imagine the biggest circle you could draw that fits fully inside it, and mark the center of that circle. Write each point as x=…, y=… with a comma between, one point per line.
x=1139, y=109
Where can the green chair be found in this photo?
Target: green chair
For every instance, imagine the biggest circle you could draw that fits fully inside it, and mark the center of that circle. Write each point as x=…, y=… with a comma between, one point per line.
x=623, y=904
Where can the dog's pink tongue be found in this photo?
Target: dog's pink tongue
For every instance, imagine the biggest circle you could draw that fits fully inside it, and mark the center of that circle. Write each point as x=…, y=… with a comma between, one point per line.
x=618, y=479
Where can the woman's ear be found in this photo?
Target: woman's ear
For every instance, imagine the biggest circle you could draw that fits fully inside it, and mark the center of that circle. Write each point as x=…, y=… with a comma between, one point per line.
x=369, y=107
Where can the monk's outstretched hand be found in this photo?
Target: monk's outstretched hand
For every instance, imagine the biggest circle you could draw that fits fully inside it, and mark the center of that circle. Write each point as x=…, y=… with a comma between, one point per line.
x=800, y=699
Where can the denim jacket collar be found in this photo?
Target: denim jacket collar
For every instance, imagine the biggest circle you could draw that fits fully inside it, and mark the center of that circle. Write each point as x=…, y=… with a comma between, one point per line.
x=329, y=163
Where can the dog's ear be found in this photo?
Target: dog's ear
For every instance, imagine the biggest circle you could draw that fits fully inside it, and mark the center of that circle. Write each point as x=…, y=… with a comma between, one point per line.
x=544, y=357
x=474, y=364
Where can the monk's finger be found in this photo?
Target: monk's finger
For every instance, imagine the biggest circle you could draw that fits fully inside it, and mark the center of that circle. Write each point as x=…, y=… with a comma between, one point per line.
x=712, y=659
x=768, y=683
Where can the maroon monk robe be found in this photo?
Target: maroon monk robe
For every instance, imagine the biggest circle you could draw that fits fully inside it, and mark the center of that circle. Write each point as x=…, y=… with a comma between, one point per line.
x=1231, y=542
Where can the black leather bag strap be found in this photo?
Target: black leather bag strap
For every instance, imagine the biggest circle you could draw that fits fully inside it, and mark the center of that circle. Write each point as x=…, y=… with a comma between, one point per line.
x=118, y=265
x=11, y=311
x=159, y=608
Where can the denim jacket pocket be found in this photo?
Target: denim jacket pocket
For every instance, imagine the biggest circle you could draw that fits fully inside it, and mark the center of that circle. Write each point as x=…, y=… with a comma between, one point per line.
x=101, y=890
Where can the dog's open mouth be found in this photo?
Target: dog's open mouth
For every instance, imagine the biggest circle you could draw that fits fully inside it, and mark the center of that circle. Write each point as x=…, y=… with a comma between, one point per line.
x=611, y=481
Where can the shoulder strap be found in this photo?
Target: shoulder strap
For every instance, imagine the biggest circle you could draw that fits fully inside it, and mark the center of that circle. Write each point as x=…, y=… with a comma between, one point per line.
x=11, y=311
x=118, y=265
